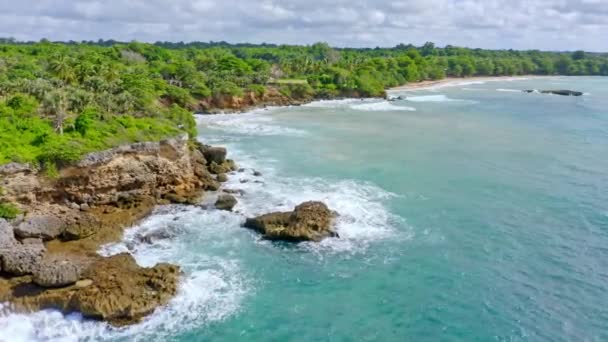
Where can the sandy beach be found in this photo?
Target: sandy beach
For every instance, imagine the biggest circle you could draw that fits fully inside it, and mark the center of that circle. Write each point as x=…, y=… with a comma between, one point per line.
x=459, y=81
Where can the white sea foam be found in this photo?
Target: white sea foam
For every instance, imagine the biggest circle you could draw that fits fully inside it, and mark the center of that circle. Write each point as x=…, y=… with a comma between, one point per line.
x=363, y=218
x=380, y=106
x=255, y=123
x=435, y=98
x=333, y=103
x=203, y=243
x=506, y=90
x=212, y=287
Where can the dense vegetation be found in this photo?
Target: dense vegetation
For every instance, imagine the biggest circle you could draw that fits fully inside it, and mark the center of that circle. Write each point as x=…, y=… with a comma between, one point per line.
x=60, y=100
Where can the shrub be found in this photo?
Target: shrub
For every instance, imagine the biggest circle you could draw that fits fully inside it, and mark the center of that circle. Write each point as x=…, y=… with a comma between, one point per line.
x=8, y=211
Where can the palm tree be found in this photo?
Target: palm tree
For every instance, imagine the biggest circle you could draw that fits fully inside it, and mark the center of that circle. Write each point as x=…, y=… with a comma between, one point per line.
x=55, y=104
x=61, y=66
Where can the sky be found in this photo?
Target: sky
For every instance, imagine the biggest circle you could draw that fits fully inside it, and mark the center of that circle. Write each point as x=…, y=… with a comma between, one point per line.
x=497, y=24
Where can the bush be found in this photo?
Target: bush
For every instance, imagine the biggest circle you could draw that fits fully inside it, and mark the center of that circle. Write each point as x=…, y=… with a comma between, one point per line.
x=258, y=89
x=8, y=211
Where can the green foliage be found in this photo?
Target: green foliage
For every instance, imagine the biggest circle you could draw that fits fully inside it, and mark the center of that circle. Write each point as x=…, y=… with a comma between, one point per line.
x=59, y=101
x=8, y=211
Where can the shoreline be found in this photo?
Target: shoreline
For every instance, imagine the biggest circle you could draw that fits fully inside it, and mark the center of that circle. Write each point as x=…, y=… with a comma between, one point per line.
x=422, y=85
x=460, y=81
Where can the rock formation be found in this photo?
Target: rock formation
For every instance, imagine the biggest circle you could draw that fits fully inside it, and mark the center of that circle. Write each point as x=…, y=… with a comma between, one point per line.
x=310, y=221
x=48, y=255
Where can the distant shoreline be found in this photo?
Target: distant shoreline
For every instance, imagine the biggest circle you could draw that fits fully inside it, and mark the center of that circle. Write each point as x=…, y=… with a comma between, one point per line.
x=459, y=81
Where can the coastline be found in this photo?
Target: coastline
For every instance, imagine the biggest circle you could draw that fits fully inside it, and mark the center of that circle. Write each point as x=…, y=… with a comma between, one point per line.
x=459, y=81
x=261, y=104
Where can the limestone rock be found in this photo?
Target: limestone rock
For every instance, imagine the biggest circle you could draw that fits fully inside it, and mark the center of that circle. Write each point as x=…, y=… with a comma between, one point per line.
x=58, y=271
x=46, y=227
x=225, y=202
x=19, y=259
x=310, y=221
x=123, y=292
x=7, y=237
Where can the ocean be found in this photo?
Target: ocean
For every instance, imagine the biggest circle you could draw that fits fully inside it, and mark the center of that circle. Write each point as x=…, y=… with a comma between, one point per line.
x=473, y=212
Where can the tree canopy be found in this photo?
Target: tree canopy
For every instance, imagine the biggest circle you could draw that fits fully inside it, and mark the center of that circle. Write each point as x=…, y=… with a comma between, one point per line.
x=60, y=100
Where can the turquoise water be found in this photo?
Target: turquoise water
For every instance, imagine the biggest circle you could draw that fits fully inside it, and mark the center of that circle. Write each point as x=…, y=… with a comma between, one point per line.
x=468, y=213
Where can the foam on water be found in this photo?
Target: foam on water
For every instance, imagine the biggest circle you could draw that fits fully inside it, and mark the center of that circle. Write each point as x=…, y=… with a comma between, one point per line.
x=381, y=107
x=363, y=216
x=211, y=290
x=508, y=90
x=205, y=243
x=435, y=98
x=252, y=123
x=335, y=103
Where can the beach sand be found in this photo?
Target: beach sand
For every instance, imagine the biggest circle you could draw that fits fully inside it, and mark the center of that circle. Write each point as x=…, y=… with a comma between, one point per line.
x=459, y=81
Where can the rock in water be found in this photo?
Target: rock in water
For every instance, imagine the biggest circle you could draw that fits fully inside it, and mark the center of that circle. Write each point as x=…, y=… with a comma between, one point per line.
x=225, y=202
x=115, y=290
x=215, y=154
x=310, y=221
x=563, y=92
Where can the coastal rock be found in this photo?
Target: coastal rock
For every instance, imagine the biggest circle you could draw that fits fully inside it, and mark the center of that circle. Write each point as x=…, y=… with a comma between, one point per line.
x=114, y=289
x=214, y=154
x=225, y=202
x=46, y=227
x=563, y=92
x=58, y=271
x=222, y=178
x=7, y=235
x=21, y=259
x=310, y=221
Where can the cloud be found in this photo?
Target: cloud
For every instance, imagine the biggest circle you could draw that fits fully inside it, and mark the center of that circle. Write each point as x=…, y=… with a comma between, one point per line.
x=520, y=24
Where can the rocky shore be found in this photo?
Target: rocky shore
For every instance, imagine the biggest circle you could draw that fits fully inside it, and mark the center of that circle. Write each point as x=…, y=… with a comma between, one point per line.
x=250, y=100
x=48, y=253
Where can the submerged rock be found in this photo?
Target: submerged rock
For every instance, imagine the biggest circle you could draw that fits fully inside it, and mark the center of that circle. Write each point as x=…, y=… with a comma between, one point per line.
x=225, y=202
x=310, y=221
x=561, y=92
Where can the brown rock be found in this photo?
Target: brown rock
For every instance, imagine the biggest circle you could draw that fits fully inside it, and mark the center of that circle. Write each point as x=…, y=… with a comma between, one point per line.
x=115, y=289
x=222, y=177
x=225, y=202
x=310, y=221
x=215, y=154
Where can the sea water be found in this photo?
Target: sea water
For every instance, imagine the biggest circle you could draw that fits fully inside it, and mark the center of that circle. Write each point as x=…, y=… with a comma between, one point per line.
x=474, y=212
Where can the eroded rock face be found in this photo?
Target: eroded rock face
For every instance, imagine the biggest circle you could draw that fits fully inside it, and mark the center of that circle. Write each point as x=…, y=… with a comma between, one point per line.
x=310, y=221
x=113, y=289
x=21, y=259
x=86, y=206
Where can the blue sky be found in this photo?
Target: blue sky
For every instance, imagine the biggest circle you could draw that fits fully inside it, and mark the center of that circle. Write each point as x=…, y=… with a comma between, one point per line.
x=518, y=24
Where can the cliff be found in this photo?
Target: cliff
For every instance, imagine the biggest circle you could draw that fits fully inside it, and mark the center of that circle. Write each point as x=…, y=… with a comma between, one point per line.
x=48, y=253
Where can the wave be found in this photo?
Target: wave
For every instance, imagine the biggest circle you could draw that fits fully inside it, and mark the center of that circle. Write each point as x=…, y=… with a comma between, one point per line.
x=380, y=106
x=333, y=103
x=509, y=90
x=211, y=290
x=252, y=123
x=206, y=244
x=435, y=98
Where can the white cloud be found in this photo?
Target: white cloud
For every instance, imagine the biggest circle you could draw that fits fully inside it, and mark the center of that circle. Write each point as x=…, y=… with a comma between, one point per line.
x=522, y=24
